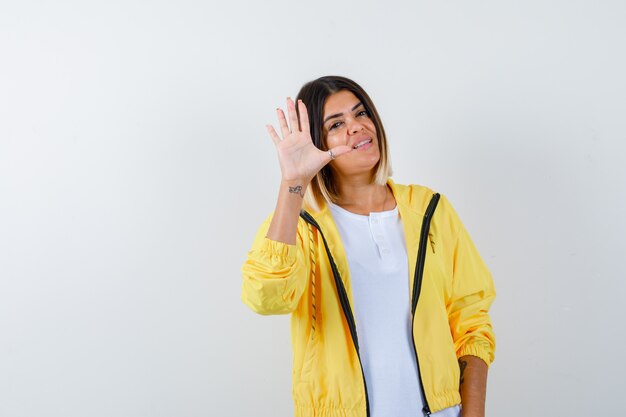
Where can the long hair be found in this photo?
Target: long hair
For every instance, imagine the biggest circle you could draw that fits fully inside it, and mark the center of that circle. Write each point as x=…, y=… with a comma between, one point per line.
x=314, y=94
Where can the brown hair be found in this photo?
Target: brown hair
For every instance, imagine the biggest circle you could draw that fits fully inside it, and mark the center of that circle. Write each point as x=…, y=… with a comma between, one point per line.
x=314, y=95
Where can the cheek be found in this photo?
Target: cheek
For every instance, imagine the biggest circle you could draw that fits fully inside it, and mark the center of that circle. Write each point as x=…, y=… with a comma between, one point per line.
x=371, y=126
x=333, y=140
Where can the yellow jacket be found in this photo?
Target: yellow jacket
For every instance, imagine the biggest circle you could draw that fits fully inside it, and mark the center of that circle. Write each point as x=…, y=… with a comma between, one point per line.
x=451, y=292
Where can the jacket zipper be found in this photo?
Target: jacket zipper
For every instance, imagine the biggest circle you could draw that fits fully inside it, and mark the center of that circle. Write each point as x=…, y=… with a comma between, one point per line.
x=417, y=284
x=343, y=299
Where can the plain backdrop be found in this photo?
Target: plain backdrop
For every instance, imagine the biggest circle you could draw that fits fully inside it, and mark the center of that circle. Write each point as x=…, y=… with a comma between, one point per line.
x=135, y=169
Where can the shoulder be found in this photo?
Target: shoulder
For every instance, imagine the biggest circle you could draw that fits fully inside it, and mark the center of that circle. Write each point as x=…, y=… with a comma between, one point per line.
x=413, y=195
x=418, y=197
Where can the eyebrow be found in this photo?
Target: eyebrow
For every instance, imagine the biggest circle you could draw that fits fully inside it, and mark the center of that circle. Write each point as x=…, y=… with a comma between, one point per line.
x=332, y=116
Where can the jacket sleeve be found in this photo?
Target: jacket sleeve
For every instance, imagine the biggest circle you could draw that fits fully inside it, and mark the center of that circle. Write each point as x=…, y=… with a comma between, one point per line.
x=274, y=273
x=472, y=293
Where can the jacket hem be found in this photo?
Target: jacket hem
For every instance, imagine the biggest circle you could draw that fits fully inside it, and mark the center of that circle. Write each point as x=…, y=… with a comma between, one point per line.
x=308, y=411
x=444, y=400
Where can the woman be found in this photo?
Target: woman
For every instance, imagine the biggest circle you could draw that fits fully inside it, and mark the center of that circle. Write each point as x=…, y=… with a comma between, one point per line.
x=387, y=294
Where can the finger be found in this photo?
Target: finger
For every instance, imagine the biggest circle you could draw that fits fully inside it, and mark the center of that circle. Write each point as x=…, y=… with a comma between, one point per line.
x=293, y=117
x=304, y=117
x=340, y=150
x=273, y=134
x=284, y=127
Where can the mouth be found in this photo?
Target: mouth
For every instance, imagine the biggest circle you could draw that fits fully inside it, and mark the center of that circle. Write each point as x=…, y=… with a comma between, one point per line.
x=362, y=143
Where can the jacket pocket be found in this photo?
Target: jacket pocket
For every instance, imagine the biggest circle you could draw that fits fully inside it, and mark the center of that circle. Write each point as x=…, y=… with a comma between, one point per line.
x=309, y=358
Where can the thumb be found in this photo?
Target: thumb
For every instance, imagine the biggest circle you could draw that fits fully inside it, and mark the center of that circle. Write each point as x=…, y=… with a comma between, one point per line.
x=337, y=151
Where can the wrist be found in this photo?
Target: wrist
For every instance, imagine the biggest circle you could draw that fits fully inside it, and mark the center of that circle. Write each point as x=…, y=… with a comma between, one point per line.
x=293, y=187
x=296, y=181
x=303, y=183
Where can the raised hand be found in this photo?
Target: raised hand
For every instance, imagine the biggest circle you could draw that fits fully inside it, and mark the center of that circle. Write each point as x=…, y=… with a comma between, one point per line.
x=299, y=159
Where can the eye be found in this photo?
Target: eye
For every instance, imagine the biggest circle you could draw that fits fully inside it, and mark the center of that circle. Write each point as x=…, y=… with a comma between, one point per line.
x=334, y=126
x=363, y=113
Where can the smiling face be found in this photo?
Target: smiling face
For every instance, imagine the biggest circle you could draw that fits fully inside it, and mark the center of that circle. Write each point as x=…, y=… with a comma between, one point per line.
x=347, y=122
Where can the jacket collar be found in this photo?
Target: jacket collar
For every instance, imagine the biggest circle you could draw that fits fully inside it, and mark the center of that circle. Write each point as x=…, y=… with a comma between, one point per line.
x=411, y=209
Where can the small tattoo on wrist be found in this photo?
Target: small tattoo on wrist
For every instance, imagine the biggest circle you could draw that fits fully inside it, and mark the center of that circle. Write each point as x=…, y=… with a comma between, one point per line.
x=296, y=190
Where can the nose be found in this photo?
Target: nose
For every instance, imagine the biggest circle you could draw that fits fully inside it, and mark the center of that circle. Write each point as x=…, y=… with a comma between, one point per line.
x=354, y=126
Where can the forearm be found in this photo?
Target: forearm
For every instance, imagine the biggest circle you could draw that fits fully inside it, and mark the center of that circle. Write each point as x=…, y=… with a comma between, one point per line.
x=284, y=224
x=473, y=386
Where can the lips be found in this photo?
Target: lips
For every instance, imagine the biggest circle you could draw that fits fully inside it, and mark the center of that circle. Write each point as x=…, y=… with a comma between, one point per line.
x=361, y=143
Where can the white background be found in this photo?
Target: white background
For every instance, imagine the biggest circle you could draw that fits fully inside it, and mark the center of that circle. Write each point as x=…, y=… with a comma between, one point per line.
x=135, y=169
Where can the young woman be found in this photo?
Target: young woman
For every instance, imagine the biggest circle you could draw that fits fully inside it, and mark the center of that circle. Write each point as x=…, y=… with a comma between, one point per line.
x=388, y=296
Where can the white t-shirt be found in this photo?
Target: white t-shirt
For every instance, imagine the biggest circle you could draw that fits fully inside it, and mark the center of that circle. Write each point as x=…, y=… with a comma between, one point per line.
x=379, y=271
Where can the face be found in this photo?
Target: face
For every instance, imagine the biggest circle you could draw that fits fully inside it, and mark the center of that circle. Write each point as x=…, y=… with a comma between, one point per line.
x=346, y=122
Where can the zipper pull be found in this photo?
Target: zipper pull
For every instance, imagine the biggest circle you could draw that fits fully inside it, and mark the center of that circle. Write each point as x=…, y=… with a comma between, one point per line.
x=432, y=242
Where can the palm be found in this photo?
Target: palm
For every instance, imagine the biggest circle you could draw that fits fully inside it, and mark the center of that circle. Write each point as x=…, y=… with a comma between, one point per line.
x=299, y=158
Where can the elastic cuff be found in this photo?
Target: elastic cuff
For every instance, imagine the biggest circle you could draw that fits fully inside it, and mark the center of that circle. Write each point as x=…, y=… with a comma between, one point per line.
x=279, y=249
x=476, y=349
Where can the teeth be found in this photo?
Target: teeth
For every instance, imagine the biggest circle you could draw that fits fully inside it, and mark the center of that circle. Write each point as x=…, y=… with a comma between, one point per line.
x=365, y=142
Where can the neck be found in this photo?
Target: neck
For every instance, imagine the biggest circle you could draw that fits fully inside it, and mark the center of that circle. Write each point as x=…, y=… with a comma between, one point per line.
x=359, y=195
